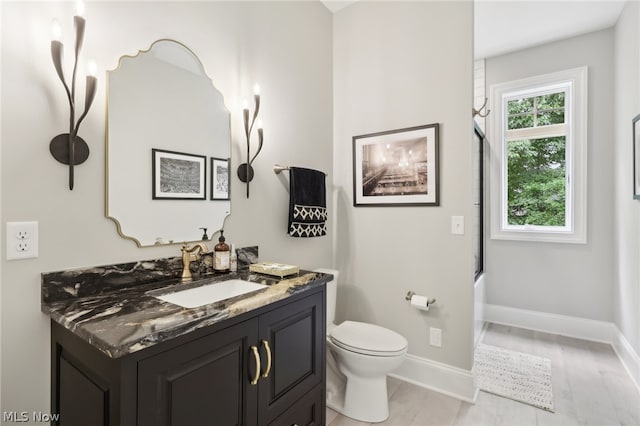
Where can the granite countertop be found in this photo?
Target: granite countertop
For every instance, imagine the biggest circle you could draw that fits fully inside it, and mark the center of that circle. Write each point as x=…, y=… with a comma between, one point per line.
x=119, y=319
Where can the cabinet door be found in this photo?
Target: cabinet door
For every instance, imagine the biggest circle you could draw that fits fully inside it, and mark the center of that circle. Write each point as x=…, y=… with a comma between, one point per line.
x=203, y=382
x=82, y=401
x=307, y=411
x=294, y=334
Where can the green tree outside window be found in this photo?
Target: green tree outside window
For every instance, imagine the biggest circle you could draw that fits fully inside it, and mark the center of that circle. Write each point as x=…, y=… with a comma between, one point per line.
x=536, y=167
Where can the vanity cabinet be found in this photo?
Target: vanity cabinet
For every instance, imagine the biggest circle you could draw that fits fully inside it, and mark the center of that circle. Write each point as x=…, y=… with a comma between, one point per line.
x=265, y=367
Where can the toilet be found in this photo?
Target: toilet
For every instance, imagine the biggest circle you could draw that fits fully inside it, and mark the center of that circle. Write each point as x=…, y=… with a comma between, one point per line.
x=359, y=356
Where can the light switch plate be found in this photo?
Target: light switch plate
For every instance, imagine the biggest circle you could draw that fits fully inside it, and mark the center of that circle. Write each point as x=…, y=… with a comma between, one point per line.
x=435, y=337
x=21, y=240
x=457, y=225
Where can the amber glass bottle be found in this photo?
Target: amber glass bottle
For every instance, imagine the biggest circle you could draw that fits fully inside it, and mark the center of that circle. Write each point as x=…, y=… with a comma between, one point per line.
x=221, y=255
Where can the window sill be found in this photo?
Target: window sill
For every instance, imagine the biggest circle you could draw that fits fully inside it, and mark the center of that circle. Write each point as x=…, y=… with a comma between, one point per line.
x=540, y=236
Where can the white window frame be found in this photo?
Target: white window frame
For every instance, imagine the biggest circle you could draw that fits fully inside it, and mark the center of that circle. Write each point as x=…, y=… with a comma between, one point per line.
x=575, y=229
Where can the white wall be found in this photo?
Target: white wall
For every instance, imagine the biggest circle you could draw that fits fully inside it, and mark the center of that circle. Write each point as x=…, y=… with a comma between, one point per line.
x=397, y=65
x=284, y=46
x=478, y=314
x=626, y=211
x=566, y=279
x=480, y=93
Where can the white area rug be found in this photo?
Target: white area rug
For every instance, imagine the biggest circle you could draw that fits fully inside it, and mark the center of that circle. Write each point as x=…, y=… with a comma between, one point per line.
x=515, y=375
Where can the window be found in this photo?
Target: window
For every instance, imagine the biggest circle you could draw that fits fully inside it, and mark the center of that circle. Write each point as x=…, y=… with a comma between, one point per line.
x=539, y=144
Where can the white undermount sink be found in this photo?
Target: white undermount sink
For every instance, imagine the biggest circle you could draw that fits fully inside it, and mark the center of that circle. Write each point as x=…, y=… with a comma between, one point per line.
x=210, y=293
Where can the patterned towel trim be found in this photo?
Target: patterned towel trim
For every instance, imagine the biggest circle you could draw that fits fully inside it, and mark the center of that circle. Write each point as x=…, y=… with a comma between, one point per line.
x=309, y=213
x=297, y=229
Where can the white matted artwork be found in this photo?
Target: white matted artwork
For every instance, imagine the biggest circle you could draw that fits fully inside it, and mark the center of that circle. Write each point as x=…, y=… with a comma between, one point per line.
x=397, y=167
x=219, y=179
x=178, y=176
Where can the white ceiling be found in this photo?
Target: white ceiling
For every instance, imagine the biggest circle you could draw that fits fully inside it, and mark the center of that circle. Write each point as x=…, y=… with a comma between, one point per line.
x=506, y=26
x=336, y=5
x=503, y=26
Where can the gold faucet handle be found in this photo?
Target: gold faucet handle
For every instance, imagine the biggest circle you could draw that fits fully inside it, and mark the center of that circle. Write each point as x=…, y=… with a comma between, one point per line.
x=195, y=251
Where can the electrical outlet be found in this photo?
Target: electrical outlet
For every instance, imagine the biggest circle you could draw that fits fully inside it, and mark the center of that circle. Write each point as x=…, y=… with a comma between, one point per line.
x=21, y=240
x=435, y=337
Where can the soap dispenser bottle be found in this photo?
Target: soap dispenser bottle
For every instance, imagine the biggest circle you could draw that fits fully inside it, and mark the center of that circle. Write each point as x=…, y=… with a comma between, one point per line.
x=221, y=255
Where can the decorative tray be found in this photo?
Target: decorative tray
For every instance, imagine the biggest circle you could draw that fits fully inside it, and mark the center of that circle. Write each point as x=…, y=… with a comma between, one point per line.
x=272, y=268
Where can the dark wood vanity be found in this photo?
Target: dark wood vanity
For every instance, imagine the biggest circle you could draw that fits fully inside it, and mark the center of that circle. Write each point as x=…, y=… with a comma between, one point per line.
x=265, y=366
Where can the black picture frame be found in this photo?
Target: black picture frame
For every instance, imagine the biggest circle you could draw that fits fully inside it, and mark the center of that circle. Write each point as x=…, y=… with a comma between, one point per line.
x=397, y=167
x=178, y=175
x=220, y=182
x=636, y=157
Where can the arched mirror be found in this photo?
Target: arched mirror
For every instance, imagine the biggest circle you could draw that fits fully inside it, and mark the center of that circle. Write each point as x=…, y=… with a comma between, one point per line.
x=168, y=147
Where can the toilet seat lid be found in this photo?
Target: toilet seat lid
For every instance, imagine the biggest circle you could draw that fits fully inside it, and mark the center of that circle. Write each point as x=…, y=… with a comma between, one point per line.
x=368, y=339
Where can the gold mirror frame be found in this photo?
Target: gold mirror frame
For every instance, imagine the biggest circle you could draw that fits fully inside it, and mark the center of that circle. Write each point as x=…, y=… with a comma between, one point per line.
x=132, y=131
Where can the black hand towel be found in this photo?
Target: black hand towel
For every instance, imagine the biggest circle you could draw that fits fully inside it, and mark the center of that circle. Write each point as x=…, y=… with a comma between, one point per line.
x=307, y=203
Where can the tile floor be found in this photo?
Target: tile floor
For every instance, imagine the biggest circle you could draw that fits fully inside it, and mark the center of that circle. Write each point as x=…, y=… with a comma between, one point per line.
x=590, y=386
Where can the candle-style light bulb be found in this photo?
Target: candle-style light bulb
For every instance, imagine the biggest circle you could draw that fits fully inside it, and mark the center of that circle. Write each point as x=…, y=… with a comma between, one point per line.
x=56, y=30
x=260, y=124
x=79, y=8
x=256, y=89
x=93, y=68
x=245, y=104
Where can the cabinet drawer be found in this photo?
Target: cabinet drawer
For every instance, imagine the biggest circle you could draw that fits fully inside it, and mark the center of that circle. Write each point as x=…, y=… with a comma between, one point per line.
x=307, y=411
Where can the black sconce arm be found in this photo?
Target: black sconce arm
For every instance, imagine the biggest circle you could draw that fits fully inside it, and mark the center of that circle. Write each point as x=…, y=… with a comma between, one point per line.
x=56, y=56
x=256, y=99
x=260, y=139
x=89, y=95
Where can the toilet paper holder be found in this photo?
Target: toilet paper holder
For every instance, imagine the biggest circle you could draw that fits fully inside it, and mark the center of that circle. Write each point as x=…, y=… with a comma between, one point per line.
x=410, y=294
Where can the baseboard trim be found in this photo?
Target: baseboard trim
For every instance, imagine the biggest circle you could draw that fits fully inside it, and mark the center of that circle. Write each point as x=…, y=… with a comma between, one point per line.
x=629, y=358
x=581, y=328
x=439, y=377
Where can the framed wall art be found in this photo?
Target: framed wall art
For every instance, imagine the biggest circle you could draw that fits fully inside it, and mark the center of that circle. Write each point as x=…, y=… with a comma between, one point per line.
x=219, y=179
x=178, y=176
x=636, y=157
x=397, y=167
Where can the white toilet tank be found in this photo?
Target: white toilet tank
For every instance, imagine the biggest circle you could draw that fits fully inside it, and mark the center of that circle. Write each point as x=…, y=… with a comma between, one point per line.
x=332, y=290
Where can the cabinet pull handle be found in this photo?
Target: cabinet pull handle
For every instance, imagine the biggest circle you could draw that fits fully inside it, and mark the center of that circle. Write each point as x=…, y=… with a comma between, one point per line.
x=256, y=357
x=268, y=349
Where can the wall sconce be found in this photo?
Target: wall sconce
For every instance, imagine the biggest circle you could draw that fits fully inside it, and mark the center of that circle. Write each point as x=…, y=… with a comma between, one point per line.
x=245, y=171
x=69, y=148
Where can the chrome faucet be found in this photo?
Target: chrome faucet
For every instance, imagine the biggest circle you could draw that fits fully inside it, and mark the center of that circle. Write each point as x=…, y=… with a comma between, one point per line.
x=189, y=254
